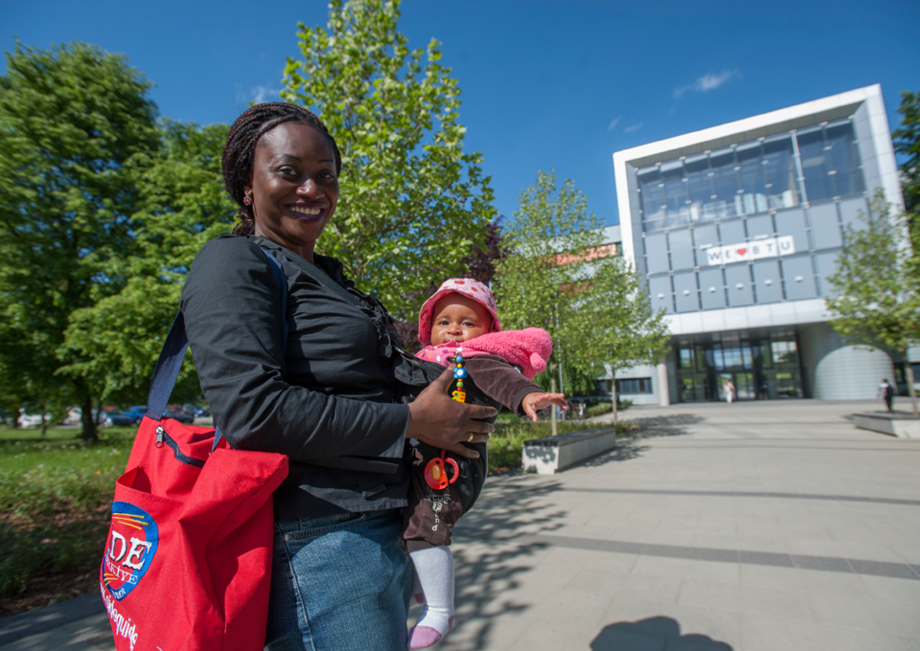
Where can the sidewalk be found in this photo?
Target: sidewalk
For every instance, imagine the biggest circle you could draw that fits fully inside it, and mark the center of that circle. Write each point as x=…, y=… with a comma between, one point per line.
x=756, y=526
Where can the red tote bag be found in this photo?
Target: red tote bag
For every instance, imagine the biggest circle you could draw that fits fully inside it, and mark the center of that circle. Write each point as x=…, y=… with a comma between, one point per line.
x=187, y=564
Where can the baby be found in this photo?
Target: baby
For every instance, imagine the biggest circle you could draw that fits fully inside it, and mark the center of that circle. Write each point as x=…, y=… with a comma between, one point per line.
x=459, y=324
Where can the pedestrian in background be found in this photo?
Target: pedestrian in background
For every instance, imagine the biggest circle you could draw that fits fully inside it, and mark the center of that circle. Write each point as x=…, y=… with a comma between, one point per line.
x=729, y=390
x=886, y=393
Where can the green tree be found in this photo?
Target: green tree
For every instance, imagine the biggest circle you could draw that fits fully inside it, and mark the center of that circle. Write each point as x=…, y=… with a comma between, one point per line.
x=114, y=344
x=413, y=204
x=621, y=328
x=71, y=119
x=907, y=143
x=540, y=283
x=876, y=296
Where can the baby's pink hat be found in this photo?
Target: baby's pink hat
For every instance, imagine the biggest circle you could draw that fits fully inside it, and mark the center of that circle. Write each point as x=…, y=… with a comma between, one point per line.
x=467, y=287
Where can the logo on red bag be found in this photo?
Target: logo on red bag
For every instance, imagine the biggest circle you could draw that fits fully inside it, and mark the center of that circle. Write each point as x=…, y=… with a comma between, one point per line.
x=130, y=548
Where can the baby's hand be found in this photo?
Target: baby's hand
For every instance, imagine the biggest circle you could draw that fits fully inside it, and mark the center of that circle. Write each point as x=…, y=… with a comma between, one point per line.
x=534, y=402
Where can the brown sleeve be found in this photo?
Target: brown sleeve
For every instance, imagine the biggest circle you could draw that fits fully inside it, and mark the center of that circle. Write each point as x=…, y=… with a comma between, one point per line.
x=499, y=380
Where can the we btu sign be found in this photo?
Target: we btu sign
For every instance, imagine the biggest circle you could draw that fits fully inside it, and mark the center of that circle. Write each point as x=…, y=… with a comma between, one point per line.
x=769, y=248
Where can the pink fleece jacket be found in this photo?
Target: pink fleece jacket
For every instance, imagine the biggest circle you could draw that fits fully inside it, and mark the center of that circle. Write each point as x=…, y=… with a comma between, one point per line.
x=529, y=349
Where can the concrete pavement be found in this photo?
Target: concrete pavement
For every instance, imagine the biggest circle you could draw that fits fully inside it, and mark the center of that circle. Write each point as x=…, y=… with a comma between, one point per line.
x=755, y=526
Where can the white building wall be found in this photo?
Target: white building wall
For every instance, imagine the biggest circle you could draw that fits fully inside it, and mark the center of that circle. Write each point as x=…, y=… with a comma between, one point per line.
x=837, y=371
x=636, y=372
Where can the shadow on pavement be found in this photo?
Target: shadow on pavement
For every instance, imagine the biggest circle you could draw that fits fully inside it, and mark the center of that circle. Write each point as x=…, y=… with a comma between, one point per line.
x=626, y=449
x=508, y=510
x=672, y=425
x=482, y=576
x=653, y=634
x=629, y=447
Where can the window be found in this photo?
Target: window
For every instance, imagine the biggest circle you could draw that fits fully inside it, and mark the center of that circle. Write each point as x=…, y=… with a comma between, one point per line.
x=651, y=193
x=784, y=352
x=752, y=178
x=843, y=158
x=635, y=385
x=686, y=358
x=724, y=186
x=699, y=185
x=779, y=169
x=675, y=190
x=785, y=385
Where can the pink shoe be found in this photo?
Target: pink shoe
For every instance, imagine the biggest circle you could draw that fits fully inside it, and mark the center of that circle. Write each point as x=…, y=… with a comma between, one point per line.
x=424, y=636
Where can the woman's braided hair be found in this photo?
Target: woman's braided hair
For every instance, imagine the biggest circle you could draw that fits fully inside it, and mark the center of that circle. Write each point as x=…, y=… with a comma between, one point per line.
x=239, y=152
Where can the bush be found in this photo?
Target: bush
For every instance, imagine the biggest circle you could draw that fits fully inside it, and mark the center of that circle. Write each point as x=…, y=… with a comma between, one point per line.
x=600, y=409
x=607, y=407
x=55, y=503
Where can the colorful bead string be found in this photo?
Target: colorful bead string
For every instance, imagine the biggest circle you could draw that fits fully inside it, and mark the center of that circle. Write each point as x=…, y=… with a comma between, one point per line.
x=459, y=373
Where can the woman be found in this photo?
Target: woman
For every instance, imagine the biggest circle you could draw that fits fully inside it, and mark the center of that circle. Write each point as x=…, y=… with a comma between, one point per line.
x=325, y=396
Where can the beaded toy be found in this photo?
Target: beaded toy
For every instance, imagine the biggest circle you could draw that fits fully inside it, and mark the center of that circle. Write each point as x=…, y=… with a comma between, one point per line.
x=436, y=469
x=459, y=373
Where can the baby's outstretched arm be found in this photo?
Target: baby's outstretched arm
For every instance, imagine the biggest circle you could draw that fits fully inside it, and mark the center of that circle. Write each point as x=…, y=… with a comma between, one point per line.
x=534, y=402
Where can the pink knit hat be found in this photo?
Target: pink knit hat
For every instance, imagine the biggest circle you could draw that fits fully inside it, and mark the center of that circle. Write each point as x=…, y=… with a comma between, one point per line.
x=467, y=287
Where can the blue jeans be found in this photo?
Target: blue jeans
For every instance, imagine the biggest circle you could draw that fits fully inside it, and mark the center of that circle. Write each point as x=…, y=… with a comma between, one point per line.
x=339, y=582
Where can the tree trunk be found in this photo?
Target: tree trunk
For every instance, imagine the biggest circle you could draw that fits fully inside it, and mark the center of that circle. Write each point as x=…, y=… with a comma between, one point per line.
x=561, y=389
x=910, y=384
x=553, y=408
x=613, y=395
x=41, y=406
x=89, y=423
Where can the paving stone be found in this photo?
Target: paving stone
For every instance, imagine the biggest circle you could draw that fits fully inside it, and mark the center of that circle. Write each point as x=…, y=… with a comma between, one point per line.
x=789, y=604
x=892, y=589
x=654, y=589
x=763, y=633
x=687, y=569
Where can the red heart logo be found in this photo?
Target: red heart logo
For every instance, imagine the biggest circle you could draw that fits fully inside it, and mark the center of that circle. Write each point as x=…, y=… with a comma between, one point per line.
x=742, y=251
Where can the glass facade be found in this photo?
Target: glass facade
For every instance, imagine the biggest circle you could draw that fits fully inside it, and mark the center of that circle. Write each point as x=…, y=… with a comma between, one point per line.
x=634, y=386
x=761, y=367
x=749, y=224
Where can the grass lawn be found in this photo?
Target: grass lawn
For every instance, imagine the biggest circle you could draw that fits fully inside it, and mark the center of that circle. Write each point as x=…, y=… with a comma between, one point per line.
x=55, y=500
x=56, y=497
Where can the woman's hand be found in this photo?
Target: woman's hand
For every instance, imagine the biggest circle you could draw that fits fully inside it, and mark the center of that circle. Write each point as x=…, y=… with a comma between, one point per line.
x=534, y=402
x=437, y=420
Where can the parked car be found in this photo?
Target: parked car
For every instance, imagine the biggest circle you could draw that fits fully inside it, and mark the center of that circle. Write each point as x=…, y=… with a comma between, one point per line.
x=196, y=410
x=32, y=420
x=179, y=414
x=136, y=413
x=111, y=417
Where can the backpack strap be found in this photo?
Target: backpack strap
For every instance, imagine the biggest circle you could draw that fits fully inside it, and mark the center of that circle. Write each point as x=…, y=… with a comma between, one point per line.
x=170, y=362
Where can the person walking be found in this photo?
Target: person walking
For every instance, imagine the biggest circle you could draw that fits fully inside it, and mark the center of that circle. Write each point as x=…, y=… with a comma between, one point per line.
x=729, y=390
x=886, y=393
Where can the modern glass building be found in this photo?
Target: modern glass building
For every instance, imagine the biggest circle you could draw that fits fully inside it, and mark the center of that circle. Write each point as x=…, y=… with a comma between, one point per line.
x=736, y=229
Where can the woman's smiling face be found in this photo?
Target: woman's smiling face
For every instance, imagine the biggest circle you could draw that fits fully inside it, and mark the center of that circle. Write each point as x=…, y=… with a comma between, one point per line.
x=294, y=186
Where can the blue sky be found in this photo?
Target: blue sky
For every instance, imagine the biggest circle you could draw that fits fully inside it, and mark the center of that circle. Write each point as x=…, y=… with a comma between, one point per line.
x=546, y=85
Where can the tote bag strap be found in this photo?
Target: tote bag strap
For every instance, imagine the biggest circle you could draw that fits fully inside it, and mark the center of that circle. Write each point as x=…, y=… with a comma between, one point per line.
x=173, y=353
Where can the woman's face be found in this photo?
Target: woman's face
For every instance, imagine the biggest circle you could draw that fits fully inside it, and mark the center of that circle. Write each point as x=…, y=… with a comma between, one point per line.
x=458, y=318
x=294, y=186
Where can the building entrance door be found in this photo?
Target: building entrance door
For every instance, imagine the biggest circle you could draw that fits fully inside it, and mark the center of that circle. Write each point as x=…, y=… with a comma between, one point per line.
x=762, y=367
x=743, y=382
x=744, y=386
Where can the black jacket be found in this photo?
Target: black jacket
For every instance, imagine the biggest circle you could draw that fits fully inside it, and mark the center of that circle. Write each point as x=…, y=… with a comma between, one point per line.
x=330, y=402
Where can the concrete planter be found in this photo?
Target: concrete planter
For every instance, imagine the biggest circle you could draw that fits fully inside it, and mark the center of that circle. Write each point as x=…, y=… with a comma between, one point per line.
x=548, y=455
x=904, y=426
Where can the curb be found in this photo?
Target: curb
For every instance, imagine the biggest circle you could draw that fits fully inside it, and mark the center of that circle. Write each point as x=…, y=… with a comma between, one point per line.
x=42, y=620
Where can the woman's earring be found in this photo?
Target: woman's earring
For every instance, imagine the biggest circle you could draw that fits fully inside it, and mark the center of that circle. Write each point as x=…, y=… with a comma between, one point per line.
x=247, y=199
